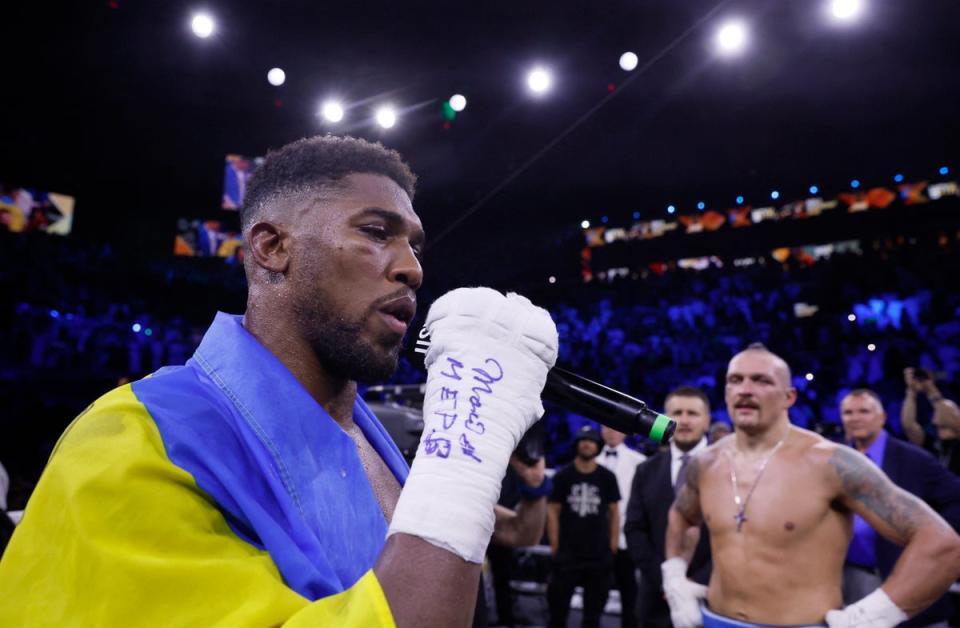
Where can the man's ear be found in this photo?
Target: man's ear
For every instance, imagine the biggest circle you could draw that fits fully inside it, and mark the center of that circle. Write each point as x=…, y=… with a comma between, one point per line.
x=268, y=245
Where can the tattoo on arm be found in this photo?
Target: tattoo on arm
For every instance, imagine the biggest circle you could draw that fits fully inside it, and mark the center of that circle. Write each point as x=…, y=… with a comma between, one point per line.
x=868, y=492
x=687, y=502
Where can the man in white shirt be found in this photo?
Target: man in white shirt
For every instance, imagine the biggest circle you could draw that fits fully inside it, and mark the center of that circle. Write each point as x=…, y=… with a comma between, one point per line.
x=652, y=494
x=623, y=461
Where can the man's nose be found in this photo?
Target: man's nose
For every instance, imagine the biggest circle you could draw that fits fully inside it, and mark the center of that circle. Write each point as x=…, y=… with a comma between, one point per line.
x=407, y=269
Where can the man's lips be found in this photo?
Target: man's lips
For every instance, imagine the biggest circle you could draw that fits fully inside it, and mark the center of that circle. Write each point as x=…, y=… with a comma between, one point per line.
x=398, y=313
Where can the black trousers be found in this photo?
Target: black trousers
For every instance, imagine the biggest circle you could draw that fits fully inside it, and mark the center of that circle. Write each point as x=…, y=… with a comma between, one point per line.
x=625, y=577
x=593, y=576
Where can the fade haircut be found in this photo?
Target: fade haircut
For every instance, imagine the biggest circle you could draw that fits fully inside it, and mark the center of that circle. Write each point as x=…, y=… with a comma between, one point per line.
x=314, y=162
x=689, y=391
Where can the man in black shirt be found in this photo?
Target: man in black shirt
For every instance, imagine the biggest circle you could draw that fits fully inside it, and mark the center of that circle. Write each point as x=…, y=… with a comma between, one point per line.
x=584, y=528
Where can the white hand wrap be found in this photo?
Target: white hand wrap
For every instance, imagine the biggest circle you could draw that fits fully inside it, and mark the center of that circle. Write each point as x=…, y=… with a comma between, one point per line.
x=876, y=610
x=486, y=368
x=683, y=595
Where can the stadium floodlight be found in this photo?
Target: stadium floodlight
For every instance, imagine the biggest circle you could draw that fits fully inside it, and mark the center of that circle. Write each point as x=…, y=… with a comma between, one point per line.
x=846, y=10
x=332, y=111
x=539, y=80
x=585, y=224
x=386, y=117
x=552, y=279
x=202, y=25
x=871, y=347
x=852, y=317
x=732, y=37
x=458, y=102
x=629, y=61
x=276, y=77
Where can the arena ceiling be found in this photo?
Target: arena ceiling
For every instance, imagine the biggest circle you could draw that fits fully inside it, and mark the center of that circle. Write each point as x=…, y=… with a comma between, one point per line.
x=117, y=103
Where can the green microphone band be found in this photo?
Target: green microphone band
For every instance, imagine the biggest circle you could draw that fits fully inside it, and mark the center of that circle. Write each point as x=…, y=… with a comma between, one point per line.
x=659, y=428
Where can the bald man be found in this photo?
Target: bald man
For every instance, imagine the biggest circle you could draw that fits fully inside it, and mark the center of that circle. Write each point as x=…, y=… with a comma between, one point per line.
x=778, y=502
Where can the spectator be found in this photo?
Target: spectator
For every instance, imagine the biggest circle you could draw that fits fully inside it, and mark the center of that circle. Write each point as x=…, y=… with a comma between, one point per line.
x=871, y=558
x=946, y=419
x=623, y=462
x=718, y=429
x=654, y=486
x=583, y=527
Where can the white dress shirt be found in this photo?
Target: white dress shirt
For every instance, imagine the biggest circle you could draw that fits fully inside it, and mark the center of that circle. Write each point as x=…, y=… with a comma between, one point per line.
x=623, y=465
x=675, y=455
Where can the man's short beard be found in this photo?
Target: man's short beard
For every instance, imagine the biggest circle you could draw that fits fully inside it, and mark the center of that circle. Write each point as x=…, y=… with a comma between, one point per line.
x=341, y=348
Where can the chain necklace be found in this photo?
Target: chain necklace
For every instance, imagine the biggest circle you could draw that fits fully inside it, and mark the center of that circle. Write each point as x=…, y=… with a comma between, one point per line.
x=741, y=515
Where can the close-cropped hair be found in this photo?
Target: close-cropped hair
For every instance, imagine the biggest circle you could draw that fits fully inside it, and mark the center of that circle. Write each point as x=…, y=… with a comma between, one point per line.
x=315, y=162
x=865, y=392
x=689, y=391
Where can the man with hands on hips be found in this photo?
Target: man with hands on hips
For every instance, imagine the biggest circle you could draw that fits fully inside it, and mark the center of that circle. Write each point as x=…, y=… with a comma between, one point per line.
x=778, y=503
x=252, y=486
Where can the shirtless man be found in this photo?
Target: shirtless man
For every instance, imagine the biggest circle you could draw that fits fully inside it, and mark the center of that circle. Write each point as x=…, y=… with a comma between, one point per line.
x=778, y=502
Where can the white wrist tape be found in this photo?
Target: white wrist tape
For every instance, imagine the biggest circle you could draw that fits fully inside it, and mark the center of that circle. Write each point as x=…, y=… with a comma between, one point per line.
x=486, y=368
x=683, y=595
x=876, y=610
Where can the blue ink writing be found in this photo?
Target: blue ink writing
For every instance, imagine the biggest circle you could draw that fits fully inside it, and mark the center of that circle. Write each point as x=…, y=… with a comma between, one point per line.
x=454, y=365
x=438, y=446
x=468, y=449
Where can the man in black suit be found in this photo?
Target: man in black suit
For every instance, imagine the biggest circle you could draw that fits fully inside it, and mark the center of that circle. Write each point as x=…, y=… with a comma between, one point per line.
x=871, y=558
x=650, y=498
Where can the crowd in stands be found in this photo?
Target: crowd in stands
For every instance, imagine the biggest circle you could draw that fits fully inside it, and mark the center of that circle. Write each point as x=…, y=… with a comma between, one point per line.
x=86, y=313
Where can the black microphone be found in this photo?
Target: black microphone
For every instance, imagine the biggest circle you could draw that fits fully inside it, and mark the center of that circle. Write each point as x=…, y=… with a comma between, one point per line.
x=595, y=401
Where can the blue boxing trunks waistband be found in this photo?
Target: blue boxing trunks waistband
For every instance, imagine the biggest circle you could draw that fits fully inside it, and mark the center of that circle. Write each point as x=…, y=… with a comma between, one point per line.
x=712, y=620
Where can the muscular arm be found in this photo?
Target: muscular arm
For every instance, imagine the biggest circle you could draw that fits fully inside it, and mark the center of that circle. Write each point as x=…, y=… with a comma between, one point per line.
x=521, y=527
x=908, y=418
x=400, y=570
x=553, y=526
x=930, y=561
x=685, y=514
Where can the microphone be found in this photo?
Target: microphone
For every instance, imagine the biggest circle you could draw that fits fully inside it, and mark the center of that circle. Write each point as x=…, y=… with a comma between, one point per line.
x=595, y=401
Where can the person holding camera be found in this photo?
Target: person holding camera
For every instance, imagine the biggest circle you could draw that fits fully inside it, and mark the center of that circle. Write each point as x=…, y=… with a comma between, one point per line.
x=946, y=418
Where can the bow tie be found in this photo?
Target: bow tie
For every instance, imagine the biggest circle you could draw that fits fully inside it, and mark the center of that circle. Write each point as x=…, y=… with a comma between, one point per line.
x=610, y=452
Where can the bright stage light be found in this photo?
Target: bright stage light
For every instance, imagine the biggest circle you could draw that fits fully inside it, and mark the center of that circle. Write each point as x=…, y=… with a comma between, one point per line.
x=809, y=377
x=814, y=189
x=897, y=178
x=276, y=77
x=671, y=209
x=944, y=171
x=539, y=80
x=458, y=102
x=585, y=224
x=739, y=200
x=628, y=61
x=775, y=194
x=852, y=317
x=202, y=25
x=332, y=111
x=386, y=117
x=846, y=10
x=732, y=37
x=701, y=205
x=855, y=183
x=552, y=279
x=871, y=347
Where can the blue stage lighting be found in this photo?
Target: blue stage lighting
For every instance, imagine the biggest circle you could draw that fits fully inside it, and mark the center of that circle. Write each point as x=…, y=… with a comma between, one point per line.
x=775, y=195
x=739, y=200
x=136, y=327
x=944, y=170
x=814, y=189
x=897, y=178
x=701, y=205
x=671, y=209
x=636, y=215
x=855, y=184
